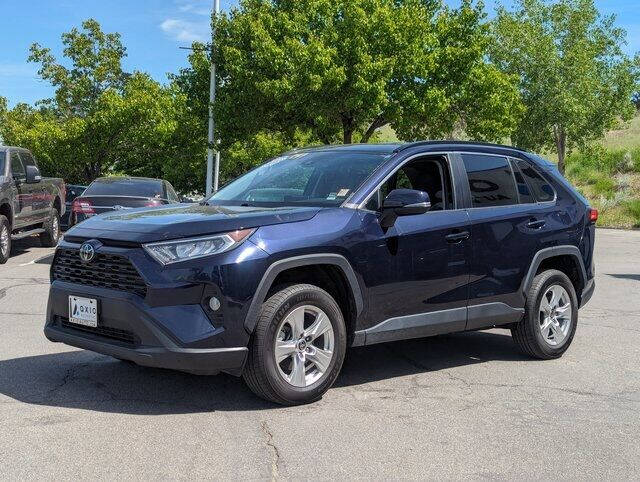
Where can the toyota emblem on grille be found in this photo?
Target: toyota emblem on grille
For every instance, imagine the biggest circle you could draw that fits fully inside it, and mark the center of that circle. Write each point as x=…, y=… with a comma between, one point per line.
x=87, y=252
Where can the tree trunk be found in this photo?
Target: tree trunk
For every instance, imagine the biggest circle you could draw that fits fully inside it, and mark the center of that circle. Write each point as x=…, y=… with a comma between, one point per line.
x=560, y=136
x=347, y=130
x=375, y=125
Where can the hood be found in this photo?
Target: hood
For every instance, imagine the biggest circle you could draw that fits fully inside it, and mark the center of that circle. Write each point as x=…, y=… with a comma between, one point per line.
x=184, y=220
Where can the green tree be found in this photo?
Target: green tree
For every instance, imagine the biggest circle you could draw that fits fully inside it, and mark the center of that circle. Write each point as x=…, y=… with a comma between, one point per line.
x=187, y=167
x=101, y=119
x=341, y=69
x=575, y=81
x=96, y=67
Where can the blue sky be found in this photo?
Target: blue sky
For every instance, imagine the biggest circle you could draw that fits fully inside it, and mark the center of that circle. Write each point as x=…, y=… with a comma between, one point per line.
x=152, y=31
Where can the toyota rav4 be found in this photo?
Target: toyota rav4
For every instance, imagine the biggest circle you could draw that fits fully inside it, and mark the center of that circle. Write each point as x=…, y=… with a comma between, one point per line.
x=279, y=272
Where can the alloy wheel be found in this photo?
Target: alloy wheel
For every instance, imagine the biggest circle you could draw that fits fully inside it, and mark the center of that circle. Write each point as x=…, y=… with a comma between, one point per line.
x=555, y=315
x=4, y=241
x=304, y=346
x=55, y=228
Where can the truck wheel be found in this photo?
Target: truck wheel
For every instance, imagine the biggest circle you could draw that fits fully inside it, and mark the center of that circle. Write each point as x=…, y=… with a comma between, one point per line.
x=50, y=237
x=298, y=346
x=5, y=239
x=551, y=317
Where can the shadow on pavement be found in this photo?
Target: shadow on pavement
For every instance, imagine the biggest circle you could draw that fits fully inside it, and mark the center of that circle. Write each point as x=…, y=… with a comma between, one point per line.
x=635, y=277
x=45, y=259
x=89, y=381
x=23, y=245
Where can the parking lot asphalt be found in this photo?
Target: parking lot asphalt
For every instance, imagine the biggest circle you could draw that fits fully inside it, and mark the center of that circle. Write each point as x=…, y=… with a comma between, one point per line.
x=450, y=407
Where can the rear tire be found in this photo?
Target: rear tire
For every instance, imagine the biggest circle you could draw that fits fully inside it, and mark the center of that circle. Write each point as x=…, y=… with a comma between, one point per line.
x=5, y=239
x=49, y=238
x=304, y=325
x=551, y=317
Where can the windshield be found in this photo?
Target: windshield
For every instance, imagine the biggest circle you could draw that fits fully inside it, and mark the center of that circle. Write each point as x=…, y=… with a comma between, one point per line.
x=125, y=187
x=314, y=178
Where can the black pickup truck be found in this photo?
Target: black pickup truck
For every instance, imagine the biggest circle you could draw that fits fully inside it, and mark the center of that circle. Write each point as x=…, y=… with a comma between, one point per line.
x=29, y=203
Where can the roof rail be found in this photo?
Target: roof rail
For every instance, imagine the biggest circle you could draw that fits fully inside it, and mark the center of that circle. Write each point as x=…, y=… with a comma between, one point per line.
x=462, y=143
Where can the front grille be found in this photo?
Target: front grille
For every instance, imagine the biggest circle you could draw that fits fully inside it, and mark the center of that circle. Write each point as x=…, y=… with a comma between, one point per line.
x=105, y=271
x=104, y=331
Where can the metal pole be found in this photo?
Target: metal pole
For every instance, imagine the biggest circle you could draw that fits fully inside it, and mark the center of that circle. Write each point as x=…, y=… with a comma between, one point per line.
x=211, y=137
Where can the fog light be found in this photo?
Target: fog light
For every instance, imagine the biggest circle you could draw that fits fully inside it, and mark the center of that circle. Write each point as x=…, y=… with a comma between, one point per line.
x=214, y=303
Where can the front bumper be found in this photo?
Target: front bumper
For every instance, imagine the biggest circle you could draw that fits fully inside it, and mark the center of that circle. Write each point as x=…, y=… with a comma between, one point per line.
x=155, y=315
x=164, y=337
x=198, y=361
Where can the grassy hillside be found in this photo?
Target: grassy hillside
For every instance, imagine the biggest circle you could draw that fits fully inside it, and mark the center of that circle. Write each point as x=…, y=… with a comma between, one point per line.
x=608, y=174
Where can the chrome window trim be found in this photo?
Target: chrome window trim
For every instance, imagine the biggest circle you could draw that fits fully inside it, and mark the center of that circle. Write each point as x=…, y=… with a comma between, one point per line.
x=447, y=155
x=508, y=157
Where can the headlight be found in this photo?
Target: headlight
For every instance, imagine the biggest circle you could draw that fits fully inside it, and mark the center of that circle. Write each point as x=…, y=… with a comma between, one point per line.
x=168, y=252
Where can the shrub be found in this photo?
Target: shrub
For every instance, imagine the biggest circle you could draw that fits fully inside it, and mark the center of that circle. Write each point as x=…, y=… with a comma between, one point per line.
x=623, y=181
x=635, y=158
x=633, y=208
x=605, y=186
x=609, y=161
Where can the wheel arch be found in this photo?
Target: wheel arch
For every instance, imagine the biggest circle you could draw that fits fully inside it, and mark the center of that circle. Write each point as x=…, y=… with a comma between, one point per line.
x=5, y=210
x=558, y=257
x=57, y=203
x=306, y=261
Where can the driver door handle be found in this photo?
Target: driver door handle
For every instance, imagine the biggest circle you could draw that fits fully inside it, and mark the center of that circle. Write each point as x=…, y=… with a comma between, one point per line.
x=457, y=237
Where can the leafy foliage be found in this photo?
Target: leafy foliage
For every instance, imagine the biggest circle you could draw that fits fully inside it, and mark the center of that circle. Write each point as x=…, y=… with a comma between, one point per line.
x=341, y=69
x=101, y=119
x=575, y=81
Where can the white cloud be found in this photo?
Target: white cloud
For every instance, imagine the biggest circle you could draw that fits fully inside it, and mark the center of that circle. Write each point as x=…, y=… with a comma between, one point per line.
x=202, y=8
x=186, y=31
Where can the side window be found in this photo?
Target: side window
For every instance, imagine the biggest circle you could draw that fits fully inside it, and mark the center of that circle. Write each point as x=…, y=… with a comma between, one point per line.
x=403, y=181
x=17, y=169
x=524, y=193
x=490, y=180
x=171, y=194
x=428, y=174
x=27, y=159
x=542, y=190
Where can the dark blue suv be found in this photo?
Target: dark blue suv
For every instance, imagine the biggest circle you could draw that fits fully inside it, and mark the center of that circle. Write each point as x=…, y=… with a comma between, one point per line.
x=274, y=276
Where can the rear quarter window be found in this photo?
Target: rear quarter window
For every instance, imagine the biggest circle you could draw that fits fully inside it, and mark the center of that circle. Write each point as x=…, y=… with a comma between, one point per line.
x=491, y=180
x=542, y=189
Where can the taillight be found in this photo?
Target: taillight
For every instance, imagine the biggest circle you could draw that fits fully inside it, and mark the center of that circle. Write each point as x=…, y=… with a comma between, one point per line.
x=82, y=206
x=153, y=202
x=593, y=215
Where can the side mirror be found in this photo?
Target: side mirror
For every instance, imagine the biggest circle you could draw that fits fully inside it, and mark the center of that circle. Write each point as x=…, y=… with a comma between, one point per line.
x=33, y=174
x=403, y=202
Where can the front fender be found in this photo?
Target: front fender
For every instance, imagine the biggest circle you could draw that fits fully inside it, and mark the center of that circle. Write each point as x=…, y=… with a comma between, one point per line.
x=294, y=262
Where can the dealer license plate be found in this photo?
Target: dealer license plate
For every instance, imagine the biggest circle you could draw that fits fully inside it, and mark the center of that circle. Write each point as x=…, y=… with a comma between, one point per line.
x=83, y=311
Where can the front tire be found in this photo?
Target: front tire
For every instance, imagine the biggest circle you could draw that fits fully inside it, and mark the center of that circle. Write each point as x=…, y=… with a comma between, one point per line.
x=5, y=239
x=551, y=317
x=49, y=238
x=298, y=346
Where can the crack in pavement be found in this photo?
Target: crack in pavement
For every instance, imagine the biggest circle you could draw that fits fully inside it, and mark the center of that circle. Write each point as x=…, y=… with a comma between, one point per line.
x=275, y=463
x=33, y=282
x=469, y=385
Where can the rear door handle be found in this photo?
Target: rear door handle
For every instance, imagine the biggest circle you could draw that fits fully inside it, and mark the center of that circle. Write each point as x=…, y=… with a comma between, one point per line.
x=457, y=237
x=536, y=223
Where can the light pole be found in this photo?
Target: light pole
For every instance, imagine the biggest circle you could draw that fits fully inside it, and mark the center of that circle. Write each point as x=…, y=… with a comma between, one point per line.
x=212, y=98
